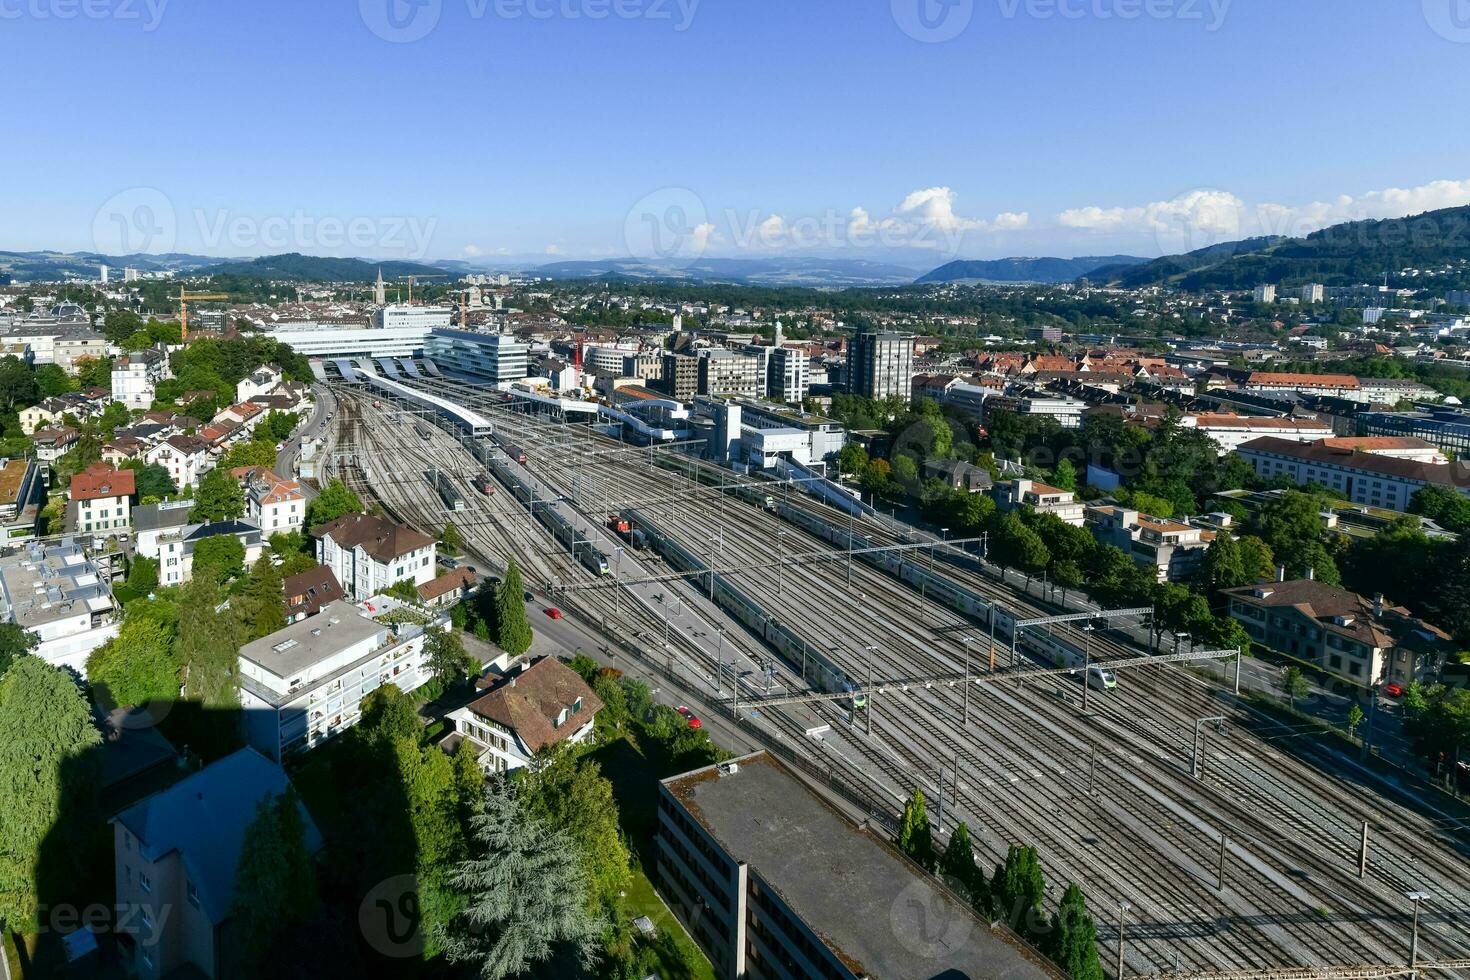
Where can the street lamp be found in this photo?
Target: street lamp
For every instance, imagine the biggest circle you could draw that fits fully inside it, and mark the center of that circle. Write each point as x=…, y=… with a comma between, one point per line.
x=1123, y=908
x=1417, y=898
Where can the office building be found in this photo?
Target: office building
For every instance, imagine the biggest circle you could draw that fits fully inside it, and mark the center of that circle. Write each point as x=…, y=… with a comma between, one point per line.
x=315, y=339
x=788, y=375
x=403, y=317
x=1229, y=431
x=1448, y=429
x=305, y=683
x=491, y=357
x=880, y=365
x=772, y=882
x=1362, y=478
x=729, y=374
x=681, y=376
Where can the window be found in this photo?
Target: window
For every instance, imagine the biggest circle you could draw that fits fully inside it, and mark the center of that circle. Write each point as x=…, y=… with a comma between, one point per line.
x=191, y=893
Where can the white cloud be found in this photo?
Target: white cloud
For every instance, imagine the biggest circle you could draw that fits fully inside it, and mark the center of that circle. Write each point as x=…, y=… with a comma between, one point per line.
x=553, y=250
x=473, y=251
x=704, y=233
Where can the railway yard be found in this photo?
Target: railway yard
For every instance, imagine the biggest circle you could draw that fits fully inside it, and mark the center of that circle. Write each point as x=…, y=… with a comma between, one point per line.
x=1244, y=856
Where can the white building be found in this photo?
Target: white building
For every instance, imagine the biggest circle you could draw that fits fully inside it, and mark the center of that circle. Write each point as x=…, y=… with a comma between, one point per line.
x=403, y=317
x=136, y=376
x=1360, y=477
x=305, y=683
x=1229, y=432
x=262, y=382
x=101, y=500
x=1265, y=294
x=1041, y=499
x=788, y=375
x=187, y=459
x=1172, y=549
x=533, y=706
x=57, y=593
x=369, y=555
x=314, y=339
x=275, y=503
x=1313, y=292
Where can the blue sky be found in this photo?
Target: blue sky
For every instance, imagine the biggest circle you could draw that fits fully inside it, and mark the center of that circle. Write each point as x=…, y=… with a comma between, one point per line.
x=873, y=128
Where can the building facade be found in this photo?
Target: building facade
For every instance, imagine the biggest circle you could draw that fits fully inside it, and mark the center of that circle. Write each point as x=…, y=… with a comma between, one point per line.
x=493, y=357
x=135, y=378
x=369, y=555
x=880, y=365
x=1361, y=478
x=730, y=374
x=532, y=706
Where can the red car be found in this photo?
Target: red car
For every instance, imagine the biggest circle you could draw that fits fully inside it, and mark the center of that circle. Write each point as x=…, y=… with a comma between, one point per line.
x=689, y=716
x=1393, y=690
x=554, y=613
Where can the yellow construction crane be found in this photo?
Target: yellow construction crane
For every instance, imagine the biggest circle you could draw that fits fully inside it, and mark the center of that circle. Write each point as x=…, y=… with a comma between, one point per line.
x=185, y=298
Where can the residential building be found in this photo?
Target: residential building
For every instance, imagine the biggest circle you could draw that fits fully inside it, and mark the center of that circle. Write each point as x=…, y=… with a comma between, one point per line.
x=175, y=857
x=71, y=352
x=100, y=500
x=958, y=475
x=56, y=592
x=534, y=705
x=681, y=376
x=1313, y=292
x=307, y=592
x=1264, y=294
x=880, y=365
x=260, y=382
x=1360, y=640
x=22, y=495
x=1230, y=432
x=449, y=588
x=1040, y=499
x=43, y=413
x=774, y=882
x=1361, y=478
x=174, y=547
x=276, y=504
x=135, y=378
x=1337, y=385
x=368, y=554
x=187, y=459
x=54, y=442
x=730, y=374
x=493, y=357
x=1172, y=549
x=305, y=683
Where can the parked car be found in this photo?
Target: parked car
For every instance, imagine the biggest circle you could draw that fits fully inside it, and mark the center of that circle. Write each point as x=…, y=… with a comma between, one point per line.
x=689, y=716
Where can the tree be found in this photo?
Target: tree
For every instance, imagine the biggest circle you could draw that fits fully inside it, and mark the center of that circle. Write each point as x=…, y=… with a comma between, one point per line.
x=139, y=341
x=1073, y=945
x=51, y=380
x=334, y=501
x=905, y=470
x=153, y=480
x=220, y=498
x=389, y=714
x=207, y=645
x=914, y=835
x=524, y=894
x=254, y=453
x=959, y=868
x=1437, y=720
x=446, y=659
x=1017, y=889
x=219, y=558
x=570, y=793
x=1291, y=526
x=1020, y=547
x=1181, y=611
x=274, y=882
x=513, y=629
x=136, y=666
x=1294, y=685
x=1443, y=505
x=119, y=325
x=451, y=539
x=1222, y=567
x=261, y=602
x=1354, y=718
x=852, y=459
x=48, y=775
x=14, y=641
x=1065, y=475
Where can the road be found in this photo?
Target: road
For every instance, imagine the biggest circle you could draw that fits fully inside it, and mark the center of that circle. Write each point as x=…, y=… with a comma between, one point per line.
x=313, y=427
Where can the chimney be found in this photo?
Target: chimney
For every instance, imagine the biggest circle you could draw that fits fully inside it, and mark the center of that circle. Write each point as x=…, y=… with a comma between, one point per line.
x=1281, y=573
x=1311, y=574
x=1378, y=606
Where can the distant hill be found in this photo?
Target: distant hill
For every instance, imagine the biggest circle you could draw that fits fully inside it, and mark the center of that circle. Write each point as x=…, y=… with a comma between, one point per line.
x=312, y=268
x=786, y=271
x=1342, y=255
x=1027, y=269
x=48, y=266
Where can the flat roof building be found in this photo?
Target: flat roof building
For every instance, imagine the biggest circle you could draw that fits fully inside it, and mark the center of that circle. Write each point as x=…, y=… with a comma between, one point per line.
x=57, y=593
x=773, y=882
x=880, y=365
x=492, y=357
x=1360, y=477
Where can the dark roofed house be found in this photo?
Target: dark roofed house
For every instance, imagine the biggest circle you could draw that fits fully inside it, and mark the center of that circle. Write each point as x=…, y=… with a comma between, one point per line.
x=959, y=475
x=308, y=591
x=175, y=856
x=534, y=705
x=369, y=554
x=1362, y=640
x=448, y=588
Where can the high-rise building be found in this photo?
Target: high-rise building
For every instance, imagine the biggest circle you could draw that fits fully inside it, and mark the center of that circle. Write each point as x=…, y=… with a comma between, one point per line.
x=1313, y=292
x=681, y=376
x=728, y=373
x=103, y=277
x=788, y=375
x=130, y=275
x=1265, y=294
x=880, y=365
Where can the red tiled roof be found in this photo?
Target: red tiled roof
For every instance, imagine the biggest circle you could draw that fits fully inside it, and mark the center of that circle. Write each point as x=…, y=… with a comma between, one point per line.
x=100, y=481
x=529, y=702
